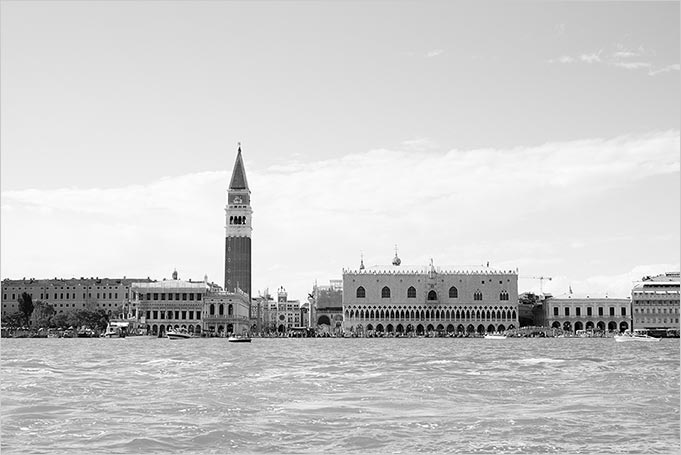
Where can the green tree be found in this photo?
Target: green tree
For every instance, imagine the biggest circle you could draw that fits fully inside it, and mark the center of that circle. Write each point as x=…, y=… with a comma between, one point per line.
x=26, y=306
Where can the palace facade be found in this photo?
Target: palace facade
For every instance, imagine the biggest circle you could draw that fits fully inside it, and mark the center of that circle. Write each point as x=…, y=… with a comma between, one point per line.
x=427, y=300
x=655, y=303
x=190, y=306
x=573, y=313
x=68, y=294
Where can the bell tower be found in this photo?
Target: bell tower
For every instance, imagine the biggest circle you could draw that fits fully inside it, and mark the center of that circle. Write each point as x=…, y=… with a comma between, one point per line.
x=238, y=230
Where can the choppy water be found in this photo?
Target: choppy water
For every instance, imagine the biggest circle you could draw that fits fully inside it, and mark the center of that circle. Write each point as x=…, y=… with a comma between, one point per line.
x=149, y=395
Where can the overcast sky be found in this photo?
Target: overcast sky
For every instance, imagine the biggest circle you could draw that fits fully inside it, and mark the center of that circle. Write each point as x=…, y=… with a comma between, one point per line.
x=538, y=136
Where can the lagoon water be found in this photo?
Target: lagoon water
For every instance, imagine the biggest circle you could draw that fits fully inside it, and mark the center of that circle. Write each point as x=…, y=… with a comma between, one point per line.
x=150, y=395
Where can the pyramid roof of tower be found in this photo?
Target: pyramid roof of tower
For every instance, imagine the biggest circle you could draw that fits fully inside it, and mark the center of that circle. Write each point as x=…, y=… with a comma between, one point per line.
x=238, y=181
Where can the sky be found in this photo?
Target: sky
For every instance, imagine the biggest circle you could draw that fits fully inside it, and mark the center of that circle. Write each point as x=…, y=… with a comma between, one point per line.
x=538, y=136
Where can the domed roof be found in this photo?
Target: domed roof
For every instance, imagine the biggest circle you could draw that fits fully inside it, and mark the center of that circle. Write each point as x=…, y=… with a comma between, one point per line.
x=396, y=259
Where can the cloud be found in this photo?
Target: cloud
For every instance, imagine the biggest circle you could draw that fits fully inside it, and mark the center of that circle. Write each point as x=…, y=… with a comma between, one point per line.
x=434, y=53
x=632, y=65
x=312, y=219
x=420, y=144
x=629, y=59
x=590, y=58
x=562, y=59
x=665, y=69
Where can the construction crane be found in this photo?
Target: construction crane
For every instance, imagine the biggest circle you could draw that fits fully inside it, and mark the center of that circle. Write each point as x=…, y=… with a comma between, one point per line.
x=541, y=281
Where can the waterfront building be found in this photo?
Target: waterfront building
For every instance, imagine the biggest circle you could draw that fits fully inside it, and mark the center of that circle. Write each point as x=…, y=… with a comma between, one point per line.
x=328, y=307
x=425, y=300
x=655, y=303
x=238, y=230
x=170, y=304
x=263, y=310
x=226, y=312
x=68, y=294
x=287, y=314
x=572, y=313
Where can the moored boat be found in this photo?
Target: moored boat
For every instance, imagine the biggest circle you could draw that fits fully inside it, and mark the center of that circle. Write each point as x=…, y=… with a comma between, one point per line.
x=638, y=335
x=115, y=330
x=495, y=336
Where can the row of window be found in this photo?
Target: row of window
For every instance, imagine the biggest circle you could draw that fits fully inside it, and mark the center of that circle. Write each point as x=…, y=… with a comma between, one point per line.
x=656, y=310
x=430, y=314
x=25, y=289
x=589, y=311
x=660, y=320
x=61, y=305
x=169, y=296
x=176, y=314
x=69, y=296
x=221, y=309
x=237, y=220
x=432, y=295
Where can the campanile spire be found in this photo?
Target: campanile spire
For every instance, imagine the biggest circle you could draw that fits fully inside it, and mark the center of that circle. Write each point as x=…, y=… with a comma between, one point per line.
x=239, y=181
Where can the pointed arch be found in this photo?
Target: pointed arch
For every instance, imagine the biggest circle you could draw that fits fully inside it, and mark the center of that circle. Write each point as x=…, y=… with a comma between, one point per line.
x=453, y=293
x=385, y=292
x=361, y=292
x=411, y=292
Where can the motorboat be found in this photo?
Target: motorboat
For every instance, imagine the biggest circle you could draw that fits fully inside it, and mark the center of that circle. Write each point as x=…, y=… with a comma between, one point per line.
x=239, y=339
x=115, y=330
x=174, y=335
x=638, y=335
x=495, y=336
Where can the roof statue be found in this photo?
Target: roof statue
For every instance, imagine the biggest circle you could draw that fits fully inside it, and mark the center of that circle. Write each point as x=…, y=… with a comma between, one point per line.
x=361, y=262
x=175, y=274
x=238, y=181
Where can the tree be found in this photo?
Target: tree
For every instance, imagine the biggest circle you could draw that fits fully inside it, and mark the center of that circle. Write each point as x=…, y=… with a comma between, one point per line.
x=527, y=302
x=42, y=314
x=13, y=320
x=26, y=306
x=59, y=320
